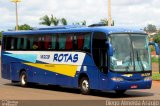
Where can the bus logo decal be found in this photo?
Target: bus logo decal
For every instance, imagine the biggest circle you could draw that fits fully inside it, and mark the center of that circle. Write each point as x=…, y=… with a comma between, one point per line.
x=65, y=58
x=45, y=56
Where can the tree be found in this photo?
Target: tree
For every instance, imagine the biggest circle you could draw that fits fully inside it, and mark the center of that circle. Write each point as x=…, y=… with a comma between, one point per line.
x=64, y=21
x=113, y=23
x=45, y=20
x=54, y=20
x=84, y=22
x=77, y=23
x=104, y=21
x=25, y=27
x=157, y=38
x=80, y=23
x=1, y=35
x=150, y=28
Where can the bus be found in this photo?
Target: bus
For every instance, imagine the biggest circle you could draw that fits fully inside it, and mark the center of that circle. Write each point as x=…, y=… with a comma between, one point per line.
x=87, y=58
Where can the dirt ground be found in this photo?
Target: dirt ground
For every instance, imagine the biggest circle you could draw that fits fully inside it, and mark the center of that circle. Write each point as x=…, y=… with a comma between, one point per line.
x=155, y=67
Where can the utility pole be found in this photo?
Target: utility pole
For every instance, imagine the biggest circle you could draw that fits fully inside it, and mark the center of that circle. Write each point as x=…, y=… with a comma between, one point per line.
x=16, y=2
x=109, y=13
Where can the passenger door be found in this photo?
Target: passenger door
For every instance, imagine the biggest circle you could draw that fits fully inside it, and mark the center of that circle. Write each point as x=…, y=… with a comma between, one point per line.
x=100, y=57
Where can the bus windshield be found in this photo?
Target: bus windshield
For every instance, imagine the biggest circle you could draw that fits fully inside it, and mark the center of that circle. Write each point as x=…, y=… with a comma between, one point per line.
x=131, y=53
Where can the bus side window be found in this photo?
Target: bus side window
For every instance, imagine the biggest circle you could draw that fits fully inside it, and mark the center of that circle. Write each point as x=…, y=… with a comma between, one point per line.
x=62, y=42
x=4, y=43
x=34, y=43
x=20, y=42
x=40, y=42
x=13, y=45
x=9, y=45
x=53, y=47
x=25, y=43
x=31, y=41
x=86, y=42
x=74, y=42
x=80, y=42
x=57, y=42
x=47, y=42
x=69, y=44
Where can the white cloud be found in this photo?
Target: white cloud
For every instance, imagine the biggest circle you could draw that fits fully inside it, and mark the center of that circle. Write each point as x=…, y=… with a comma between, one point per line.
x=124, y=12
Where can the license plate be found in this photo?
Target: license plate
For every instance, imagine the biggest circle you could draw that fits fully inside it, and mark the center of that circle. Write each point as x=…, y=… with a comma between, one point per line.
x=134, y=86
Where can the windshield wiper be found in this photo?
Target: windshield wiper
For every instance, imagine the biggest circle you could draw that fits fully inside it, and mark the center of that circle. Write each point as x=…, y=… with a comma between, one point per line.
x=129, y=63
x=139, y=60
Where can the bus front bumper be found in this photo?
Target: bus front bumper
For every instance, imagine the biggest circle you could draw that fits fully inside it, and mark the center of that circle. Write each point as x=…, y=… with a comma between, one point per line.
x=127, y=85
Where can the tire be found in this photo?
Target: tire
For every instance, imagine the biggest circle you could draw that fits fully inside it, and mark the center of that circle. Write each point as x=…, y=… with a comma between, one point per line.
x=84, y=86
x=120, y=92
x=23, y=79
x=14, y=82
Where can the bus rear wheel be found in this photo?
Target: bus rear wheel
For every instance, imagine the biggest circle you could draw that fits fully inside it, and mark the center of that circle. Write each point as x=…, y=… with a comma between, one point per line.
x=84, y=86
x=120, y=92
x=23, y=79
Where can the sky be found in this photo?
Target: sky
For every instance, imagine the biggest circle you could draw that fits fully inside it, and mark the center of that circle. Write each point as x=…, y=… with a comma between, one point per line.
x=134, y=13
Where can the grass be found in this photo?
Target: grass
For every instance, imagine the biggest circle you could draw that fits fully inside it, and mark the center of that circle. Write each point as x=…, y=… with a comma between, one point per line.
x=156, y=76
x=154, y=60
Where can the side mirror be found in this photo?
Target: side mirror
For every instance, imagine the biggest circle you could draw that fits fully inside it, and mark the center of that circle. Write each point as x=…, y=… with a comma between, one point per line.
x=156, y=47
x=110, y=48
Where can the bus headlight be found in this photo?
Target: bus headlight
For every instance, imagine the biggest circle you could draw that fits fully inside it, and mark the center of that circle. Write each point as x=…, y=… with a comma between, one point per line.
x=116, y=79
x=147, y=78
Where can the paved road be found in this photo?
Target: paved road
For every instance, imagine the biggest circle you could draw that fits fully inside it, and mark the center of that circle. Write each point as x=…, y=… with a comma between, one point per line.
x=40, y=92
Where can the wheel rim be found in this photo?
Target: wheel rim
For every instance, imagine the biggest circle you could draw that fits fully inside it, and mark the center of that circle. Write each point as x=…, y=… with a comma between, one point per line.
x=85, y=85
x=23, y=79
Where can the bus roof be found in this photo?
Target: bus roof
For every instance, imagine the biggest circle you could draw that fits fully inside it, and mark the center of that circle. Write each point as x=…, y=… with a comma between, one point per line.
x=72, y=29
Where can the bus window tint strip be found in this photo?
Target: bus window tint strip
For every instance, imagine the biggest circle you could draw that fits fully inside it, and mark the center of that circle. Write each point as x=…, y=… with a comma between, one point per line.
x=55, y=42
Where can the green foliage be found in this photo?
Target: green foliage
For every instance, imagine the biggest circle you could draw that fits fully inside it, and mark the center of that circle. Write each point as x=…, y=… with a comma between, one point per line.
x=80, y=23
x=54, y=20
x=152, y=48
x=156, y=76
x=113, y=23
x=24, y=27
x=105, y=21
x=157, y=38
x=154, y=60
x=45, y=20
x=48, y=21
x=84, y=22
x=150, y=28
x=0, y=35
x=64, y=21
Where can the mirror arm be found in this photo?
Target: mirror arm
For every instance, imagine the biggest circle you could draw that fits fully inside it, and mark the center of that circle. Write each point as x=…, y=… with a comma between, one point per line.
x=156, y=47
x=110, y=48
x=157, y=51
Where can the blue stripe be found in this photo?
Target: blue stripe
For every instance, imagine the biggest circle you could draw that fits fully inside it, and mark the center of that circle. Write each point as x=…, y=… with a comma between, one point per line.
x=26, y=57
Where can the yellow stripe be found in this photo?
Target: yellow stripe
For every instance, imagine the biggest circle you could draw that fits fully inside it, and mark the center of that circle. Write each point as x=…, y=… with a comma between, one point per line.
x=68, y=70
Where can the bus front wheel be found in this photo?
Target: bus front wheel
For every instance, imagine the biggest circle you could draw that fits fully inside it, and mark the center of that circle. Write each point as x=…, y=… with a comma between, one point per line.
x=23, y=79
x=84, y=86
